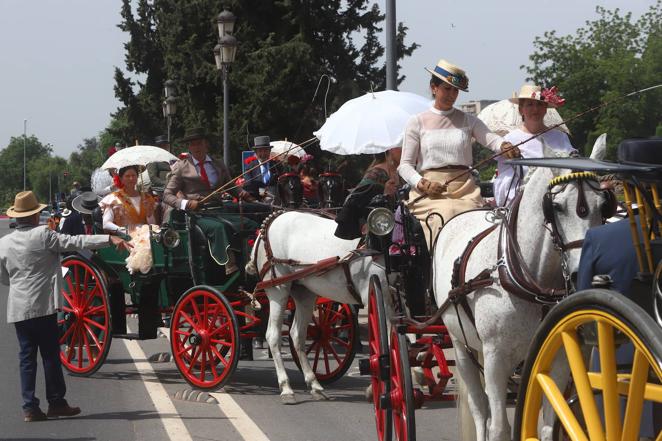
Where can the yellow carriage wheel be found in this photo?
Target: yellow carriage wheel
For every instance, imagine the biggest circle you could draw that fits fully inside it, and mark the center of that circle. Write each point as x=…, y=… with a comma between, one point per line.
x=604, y=321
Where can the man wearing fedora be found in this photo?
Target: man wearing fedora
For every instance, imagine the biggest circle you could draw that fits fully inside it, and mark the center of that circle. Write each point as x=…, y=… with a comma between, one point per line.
x=30, y=265
x=262, y=175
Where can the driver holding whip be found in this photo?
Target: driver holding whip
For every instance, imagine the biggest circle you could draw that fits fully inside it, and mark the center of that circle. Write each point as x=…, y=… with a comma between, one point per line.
x=437, y=149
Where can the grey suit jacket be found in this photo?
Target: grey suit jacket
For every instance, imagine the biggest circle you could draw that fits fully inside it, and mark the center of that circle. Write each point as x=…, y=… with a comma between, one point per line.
x=30, y=265
x=185, y=178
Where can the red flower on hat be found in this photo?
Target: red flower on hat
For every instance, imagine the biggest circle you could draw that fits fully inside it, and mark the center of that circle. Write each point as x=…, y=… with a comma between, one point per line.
x=183, y=155
x=551, y=96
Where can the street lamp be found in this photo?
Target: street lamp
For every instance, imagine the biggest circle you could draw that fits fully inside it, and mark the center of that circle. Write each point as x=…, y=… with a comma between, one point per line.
x=224, y=53
x=25, y=141
x=169, y=105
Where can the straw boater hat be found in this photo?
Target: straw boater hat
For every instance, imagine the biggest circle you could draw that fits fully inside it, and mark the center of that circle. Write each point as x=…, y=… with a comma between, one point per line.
x=25, y=204
x=530, y=92
x=451, y=74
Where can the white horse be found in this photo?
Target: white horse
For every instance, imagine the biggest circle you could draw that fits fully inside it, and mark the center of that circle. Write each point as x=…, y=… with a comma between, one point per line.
x=505, y=324
x=306, y=238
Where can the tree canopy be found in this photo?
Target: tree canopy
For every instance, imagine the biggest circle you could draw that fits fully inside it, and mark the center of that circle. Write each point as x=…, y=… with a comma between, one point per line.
x=607, y=58
x=285, y=46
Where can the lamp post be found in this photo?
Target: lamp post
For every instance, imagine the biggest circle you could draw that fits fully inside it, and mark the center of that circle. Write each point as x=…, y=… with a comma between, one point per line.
x=224, y=53
x=25, y=141
x=169, y=105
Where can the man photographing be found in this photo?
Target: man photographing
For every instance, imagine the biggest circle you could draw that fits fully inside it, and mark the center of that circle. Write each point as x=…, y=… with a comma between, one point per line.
x=30, y=265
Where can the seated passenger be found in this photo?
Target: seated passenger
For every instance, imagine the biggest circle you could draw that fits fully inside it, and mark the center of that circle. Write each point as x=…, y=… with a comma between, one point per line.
x=437, y=148
x=262, y=173
x=310, y=184
x=381, y=177
x=127, y=208
x=194, y=177
x=533, y=103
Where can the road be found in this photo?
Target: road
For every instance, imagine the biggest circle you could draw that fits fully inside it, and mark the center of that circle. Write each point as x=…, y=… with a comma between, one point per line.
x=131, y=398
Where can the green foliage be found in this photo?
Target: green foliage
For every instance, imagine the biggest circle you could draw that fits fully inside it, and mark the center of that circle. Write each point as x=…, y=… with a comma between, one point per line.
x=607, y=58
x=284, y=48
x=11, y=164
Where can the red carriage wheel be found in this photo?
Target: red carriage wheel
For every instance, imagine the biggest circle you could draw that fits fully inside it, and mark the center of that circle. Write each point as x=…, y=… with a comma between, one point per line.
x=377, y=365
x=85, y=323
x=330, y=340
x=402, y=391
x=204, y=337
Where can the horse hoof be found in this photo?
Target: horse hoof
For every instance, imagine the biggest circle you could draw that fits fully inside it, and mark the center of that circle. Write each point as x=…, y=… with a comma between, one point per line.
x=288, y=399
x=319, y=395
x=368, y=393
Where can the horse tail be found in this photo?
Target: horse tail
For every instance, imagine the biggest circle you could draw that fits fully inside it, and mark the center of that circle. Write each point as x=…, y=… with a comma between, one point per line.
x=466, y=424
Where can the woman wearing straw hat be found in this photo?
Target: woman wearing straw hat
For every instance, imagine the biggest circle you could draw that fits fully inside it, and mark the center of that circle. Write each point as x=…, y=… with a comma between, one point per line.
x=437, y=148
x=30, y=265
x=532, y=102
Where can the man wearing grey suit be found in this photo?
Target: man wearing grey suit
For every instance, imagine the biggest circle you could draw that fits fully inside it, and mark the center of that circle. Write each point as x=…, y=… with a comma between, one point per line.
x=30, y=265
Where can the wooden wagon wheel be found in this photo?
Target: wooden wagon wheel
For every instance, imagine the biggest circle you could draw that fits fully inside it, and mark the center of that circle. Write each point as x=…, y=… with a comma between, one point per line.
x=330, y=340
x=401, y=396
x=204, y=337
x=85, y=322
x=377, y=364
x=605, y=320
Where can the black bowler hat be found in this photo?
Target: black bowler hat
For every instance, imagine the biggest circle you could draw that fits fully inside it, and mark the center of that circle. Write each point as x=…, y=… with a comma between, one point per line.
x=160, y=140
x=195, y=133
x=86, y=202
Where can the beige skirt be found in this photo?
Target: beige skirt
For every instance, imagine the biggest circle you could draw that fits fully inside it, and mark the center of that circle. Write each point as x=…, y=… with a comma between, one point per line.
x=462, y=195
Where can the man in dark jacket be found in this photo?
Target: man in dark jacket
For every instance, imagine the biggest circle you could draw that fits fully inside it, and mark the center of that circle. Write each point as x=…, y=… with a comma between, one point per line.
x=261, y=181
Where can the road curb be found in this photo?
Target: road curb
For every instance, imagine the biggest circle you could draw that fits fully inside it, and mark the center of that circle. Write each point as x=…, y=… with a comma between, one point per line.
x=194, y=395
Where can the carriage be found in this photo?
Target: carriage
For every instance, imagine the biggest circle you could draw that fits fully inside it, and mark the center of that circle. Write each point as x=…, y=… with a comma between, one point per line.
x=583, y=333
x=208, y=312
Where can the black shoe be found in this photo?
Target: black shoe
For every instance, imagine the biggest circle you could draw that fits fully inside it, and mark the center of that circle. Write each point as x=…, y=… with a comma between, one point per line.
x=62, y=411
x=30, y=416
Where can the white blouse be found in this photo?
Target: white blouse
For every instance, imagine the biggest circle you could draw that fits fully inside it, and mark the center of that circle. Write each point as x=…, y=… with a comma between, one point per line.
x=109, y=215
x=555, y=140
x=438, y=138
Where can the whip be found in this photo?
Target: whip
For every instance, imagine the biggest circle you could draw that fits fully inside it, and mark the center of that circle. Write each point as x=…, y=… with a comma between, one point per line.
x=572, y=118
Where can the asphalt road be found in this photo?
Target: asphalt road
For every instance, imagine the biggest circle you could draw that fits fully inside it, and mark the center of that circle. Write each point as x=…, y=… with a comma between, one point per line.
x=130, y=398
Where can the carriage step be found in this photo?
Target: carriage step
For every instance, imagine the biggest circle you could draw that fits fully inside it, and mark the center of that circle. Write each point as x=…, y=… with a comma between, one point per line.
x=128, y=336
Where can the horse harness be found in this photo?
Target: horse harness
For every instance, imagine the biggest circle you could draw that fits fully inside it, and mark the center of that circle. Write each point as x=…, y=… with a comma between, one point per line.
x=512, y=271
x=318, y=268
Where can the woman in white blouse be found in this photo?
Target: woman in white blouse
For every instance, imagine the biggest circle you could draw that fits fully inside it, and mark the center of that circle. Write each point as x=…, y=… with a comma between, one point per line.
x=437, y=148
x=127, y=208
x=532, y=103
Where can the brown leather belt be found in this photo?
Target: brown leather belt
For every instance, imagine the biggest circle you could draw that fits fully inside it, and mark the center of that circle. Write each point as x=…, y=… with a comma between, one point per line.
x=450, y=167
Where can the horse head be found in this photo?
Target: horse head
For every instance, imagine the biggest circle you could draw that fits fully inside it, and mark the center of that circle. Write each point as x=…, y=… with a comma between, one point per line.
x=571, y=202
x=290, y=190
x=331, y=189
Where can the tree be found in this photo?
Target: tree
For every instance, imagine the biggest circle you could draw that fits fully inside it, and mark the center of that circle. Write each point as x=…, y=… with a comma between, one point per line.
x=602, y=61
x=88, y=157
x=285, y=46
x=11, y=163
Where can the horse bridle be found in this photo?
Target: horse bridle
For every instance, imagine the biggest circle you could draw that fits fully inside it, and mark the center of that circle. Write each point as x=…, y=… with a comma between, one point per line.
x=607, y=208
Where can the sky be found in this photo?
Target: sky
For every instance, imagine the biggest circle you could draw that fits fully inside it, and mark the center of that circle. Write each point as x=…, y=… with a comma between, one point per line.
x=58, y=57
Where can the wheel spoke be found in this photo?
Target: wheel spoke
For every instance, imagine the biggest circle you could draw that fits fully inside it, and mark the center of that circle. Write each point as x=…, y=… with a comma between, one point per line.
x=212, y=365
x=561, y=408
x=317, y=356
x=326, y=360
x=194, y=357
x=94, y=323
x=196, y=310
x=204, y=315
x=203, y=363
x=68, y=299
x=94, y=337
x=221, y=342
x=334, y=353
x=220, y=357
x=86, y=343
x=95, y=310
x=314, y=344
x=184, y=349
x=584, y=390
x=341, y=342
x=635, y=400
x=219, y=329
x=67, y=333
x=611, y=400
x=188, y=319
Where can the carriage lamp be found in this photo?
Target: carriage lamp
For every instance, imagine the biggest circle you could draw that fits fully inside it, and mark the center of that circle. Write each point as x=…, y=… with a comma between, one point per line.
x=381, y=221
x=169, y=238
x=225, y=21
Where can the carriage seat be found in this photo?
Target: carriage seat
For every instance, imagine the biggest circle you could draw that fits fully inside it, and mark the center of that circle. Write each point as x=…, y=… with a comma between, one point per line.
x=641, y=150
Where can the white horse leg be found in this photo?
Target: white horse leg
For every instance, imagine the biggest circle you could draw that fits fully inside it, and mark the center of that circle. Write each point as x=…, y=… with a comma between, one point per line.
x=305, y=303
x=277, y=303
x=475, y=396
x=497, y=372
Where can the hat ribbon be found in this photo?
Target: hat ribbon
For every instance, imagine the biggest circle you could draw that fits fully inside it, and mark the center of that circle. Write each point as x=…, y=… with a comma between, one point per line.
x=455, y=79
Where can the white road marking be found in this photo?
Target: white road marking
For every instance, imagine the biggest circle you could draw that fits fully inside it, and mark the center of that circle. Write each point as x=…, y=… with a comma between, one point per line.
x=172, y=423
x=244, y=425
